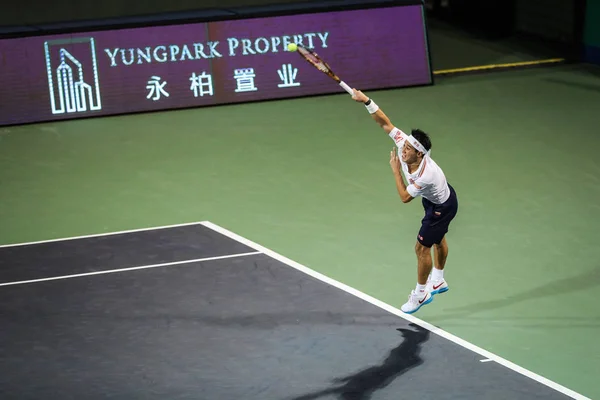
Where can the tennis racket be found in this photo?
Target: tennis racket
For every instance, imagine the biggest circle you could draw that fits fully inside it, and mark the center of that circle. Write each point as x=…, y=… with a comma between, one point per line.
x=317, y=62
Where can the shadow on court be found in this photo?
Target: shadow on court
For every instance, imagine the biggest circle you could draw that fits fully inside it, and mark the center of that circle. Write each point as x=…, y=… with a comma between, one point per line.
x=587, y=280
x=578, y=85
x=362, y=385
x=270, y=321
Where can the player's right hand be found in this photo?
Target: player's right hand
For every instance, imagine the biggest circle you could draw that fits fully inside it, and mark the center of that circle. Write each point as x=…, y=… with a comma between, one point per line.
x=359, y=96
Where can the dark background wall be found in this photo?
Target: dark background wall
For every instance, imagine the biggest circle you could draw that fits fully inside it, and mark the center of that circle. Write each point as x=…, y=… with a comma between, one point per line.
x=592, y=31
x=31, y=12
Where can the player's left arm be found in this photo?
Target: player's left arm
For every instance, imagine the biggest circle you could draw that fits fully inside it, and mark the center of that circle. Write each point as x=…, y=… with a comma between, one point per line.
x=405, y=196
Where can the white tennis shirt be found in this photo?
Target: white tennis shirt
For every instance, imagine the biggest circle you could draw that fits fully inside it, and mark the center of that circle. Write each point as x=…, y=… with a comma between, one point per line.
x=429, y=177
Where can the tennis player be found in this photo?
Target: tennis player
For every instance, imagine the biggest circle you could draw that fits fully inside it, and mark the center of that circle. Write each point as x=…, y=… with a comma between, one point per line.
x=426, y=179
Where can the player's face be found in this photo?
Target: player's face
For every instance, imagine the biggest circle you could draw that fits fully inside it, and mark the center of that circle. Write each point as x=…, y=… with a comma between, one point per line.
x=409, y=153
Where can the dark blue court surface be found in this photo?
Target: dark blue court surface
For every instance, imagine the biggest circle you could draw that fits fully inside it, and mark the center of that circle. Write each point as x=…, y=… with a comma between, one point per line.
x=234, y=324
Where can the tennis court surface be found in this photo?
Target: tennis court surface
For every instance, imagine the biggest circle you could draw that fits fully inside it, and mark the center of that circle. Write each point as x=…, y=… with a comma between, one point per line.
x=194, y=311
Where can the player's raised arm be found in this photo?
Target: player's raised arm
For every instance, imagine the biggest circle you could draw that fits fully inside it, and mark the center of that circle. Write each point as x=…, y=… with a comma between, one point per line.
x=376, y=113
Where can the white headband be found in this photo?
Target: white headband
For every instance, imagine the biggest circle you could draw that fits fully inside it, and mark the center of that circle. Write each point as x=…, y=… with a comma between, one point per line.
x=417, y=145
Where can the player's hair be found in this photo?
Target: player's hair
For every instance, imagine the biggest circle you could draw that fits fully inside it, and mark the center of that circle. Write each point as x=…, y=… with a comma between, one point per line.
x=422, y=137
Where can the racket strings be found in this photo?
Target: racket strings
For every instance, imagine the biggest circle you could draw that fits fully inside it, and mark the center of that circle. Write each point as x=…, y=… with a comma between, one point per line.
x=313, y=59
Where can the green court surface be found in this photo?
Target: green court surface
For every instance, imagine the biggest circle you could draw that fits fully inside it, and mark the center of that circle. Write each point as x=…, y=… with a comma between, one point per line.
x=310, y=179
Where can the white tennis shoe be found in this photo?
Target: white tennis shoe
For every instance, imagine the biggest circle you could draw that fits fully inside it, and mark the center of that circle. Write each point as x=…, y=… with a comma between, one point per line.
x=416, y=301
x=436, y=287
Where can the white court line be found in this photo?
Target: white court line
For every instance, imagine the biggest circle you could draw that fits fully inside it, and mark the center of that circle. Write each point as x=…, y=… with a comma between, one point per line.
x=112, y=271
x=395, y=311
x=101, y=234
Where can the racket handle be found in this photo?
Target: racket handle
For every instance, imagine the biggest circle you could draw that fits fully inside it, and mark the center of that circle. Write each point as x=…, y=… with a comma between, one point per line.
x=346, y=87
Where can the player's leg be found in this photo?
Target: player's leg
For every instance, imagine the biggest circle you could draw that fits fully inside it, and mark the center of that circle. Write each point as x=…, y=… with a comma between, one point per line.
x=440, y=253
x=424, y=264
x=441, y=220
x=420, y=295
x=436, y=283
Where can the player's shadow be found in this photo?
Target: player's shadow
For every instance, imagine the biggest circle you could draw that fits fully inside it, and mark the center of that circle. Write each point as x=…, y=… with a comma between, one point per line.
x=362, y=385
x=586, y=280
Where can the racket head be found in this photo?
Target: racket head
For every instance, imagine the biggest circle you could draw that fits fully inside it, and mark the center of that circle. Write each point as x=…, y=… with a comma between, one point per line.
x=316, y=61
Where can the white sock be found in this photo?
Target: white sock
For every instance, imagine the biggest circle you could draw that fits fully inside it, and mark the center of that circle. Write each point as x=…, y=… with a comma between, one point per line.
x=420, y=288
x=437, y=274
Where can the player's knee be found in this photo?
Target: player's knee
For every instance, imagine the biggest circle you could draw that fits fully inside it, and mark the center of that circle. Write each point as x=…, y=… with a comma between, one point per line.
x=421, y=249
x=442, y=245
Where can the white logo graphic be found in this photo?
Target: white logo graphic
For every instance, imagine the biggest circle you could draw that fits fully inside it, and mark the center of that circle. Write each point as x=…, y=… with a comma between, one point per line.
x=71, y=93
x=156, y=88
x=201, y=84
x=287, y=73
x=245, y=80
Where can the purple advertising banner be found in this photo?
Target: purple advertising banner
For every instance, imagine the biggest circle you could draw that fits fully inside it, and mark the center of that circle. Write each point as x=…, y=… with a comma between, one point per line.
x=58, y=77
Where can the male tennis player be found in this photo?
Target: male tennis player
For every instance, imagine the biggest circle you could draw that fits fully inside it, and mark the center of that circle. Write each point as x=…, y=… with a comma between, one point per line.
x=426, y=179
